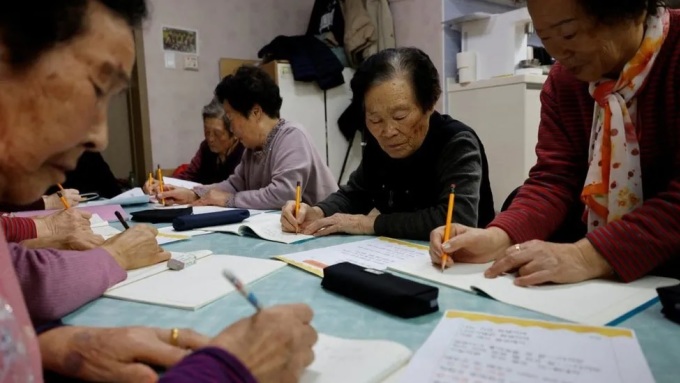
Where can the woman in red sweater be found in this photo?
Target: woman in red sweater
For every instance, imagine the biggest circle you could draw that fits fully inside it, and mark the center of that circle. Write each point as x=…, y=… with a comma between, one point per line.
x=607, y=180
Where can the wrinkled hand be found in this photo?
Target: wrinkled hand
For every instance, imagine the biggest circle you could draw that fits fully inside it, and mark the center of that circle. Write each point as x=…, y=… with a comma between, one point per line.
x=151, y=187
x=67, y=221
x=136, y=247
x=342, y=223
x=275, y=344
x=74, y=241
x=294, y=224
x=114, y=354
x=53, y=201
x=468, y=245
x=538, y=262
x=213, y=197
x=177, y=196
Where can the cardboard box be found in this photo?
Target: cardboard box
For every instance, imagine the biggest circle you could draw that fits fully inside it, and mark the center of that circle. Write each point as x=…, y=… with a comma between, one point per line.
x=228, y=66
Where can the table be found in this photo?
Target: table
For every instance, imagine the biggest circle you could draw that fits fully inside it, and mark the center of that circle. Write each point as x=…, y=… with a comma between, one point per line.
x=334, y=315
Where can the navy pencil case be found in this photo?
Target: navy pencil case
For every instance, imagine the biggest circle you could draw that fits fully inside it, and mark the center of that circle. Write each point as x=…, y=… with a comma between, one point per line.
x=197, y=221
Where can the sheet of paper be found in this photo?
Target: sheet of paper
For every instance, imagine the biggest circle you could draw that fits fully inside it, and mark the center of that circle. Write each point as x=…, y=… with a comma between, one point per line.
x=145, y=272
x=197, y=285
x=131, y=197
x=377, y=253
x=358, y=361
x=106, y=231
x=188, y=233
x=595, y=302
x=481, y=348
x=106, y=212
x=269, y=228
x=165, y=238
x=97, y=221
x=180, y=183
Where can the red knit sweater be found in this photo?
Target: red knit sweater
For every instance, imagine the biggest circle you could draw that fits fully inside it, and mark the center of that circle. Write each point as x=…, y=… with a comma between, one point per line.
x=649, y=236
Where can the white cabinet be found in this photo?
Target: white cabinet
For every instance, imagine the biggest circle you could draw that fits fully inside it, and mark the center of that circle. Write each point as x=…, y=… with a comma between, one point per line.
x=318, y=111
x=505, y=113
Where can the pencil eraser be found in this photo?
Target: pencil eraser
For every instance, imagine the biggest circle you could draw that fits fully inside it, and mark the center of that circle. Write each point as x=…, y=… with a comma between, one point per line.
x=181, y=261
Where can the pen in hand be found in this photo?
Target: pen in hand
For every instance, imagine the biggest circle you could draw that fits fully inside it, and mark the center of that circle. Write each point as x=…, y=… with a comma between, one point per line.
x=449, y=218
x=122, y=220
x=298, y=198
x=241, y=289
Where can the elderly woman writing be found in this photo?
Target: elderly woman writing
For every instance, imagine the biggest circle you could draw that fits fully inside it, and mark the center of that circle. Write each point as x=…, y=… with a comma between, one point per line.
x=278, y=154
x=56, y=79
x=412, y=157
x=217, y=156
x=606, y=181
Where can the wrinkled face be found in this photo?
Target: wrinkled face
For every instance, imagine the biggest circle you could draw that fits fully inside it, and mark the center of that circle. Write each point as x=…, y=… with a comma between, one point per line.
x=588, y=49
x=54, y=110
x=216, y=135
x=394, y=117
x=246, y=128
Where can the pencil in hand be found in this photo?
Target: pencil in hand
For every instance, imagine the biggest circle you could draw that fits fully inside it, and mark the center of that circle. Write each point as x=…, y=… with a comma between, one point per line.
x=298, y=197
x=447, y=228
x=160, y=183
x=63, y=200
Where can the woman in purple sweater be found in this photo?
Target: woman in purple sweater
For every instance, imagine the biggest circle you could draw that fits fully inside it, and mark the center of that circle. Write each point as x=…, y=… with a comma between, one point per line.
x=61, y=63
x=278, y=154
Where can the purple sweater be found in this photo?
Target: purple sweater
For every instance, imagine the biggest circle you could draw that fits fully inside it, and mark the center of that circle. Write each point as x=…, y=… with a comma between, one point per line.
x=56, y=282
x=266, y=179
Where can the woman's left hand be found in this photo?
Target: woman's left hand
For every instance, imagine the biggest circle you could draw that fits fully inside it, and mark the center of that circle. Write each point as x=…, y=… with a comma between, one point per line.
x=538, y=262
x=114, y=354
x=213, y=197
x=342, y=223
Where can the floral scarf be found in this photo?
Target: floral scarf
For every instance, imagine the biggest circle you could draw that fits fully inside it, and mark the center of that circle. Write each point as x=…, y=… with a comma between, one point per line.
x=613, y=185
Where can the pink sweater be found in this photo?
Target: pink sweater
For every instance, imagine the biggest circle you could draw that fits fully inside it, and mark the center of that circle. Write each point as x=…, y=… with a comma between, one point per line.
x=56, y=282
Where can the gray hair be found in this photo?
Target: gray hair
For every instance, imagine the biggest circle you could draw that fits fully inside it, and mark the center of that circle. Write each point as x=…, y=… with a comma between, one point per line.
x=215, y=110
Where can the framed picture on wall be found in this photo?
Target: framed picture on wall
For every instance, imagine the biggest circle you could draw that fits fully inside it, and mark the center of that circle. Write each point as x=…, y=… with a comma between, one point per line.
x=180, y=40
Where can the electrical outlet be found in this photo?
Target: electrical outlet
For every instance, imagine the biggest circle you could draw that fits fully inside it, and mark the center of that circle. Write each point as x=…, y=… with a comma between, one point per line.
x=191, y=62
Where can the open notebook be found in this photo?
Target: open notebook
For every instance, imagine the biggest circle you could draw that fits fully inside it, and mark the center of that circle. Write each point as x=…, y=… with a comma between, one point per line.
x=266, y=226
x=595, y=302
x=357, y=361
x=193, y=287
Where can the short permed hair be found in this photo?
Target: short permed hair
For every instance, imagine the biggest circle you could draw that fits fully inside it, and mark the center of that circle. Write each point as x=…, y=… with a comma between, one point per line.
x=614, y=11
x=214, y=109
x=412, y=63
x=250, y=86
x=28, y=31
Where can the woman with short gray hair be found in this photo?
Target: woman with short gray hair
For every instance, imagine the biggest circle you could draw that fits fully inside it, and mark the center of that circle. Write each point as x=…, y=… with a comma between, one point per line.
x=218, y=154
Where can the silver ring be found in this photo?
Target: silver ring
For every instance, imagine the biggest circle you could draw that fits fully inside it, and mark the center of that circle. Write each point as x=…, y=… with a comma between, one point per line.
x=518, y=247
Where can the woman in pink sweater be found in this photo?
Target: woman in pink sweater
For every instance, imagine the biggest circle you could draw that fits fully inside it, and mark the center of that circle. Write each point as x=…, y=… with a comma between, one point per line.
x=60, y=64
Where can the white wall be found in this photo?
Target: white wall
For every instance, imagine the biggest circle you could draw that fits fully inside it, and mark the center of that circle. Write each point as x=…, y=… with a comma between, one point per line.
x=227, y=28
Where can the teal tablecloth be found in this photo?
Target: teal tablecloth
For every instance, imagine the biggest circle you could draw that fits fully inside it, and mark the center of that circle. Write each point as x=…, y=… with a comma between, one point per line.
x=660, y=338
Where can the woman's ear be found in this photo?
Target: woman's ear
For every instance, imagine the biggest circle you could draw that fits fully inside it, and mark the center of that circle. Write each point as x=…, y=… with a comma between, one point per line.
x=256, y=112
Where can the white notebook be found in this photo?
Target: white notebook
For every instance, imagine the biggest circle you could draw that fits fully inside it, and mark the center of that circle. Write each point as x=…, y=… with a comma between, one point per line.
x=595, y=302
x=482, y=348
x=145, y=272
x=265, y=226
x=180, y=183
x=357, y=361
x=195, y=286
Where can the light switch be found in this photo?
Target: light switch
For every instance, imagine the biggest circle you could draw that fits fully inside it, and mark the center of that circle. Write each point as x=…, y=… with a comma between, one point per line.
x=170, y=60
x=191, y=62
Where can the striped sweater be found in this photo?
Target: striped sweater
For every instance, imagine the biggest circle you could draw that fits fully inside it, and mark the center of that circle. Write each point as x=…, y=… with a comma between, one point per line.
x=649, y=237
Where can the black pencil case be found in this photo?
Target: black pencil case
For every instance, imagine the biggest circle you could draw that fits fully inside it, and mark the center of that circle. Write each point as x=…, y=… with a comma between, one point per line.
x=670, y=302
x=384, y=291
x=160, y=215
x=190, y=222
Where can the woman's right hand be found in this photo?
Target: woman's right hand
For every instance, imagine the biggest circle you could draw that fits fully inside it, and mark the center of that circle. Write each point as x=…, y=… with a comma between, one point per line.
x=177, y=196
x=136, y=247
x=292, y=224
x=468, y=245
x=53, y=201
x=150, y=187
x=274, y=344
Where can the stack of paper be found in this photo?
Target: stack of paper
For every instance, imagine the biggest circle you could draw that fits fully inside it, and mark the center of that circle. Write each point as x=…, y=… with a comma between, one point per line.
x=480, y=348
x=377, y=253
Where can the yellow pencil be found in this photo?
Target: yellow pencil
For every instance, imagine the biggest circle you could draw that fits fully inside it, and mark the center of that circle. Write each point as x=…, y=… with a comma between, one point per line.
x=63, y=200
x=150, y=181
x=447, y=228
x=298, y=196
x=160, y=183
x=60, y=187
